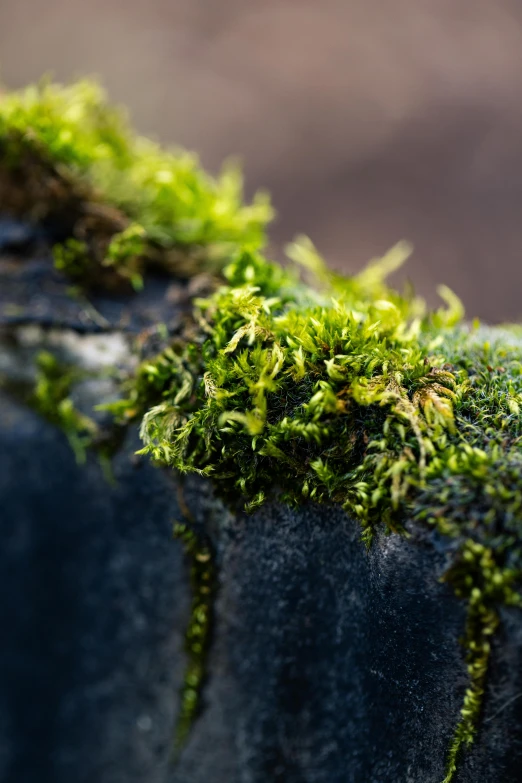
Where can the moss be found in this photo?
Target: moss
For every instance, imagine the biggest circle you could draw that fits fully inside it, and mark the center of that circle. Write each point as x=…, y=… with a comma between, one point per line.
x=198, y=550
x=51, y=398
x=351, y=393
x=477, y=577
x=345, y=389
x=68, y=157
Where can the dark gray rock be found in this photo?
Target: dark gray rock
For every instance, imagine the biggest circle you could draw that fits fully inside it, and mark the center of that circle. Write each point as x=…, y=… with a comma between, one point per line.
x=332, y=664
x=94, y=606
x=32, y=292
x=16, y=235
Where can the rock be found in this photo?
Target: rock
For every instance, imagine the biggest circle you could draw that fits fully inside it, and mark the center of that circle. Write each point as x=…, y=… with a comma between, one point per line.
x=94, y=610
x=16, y=234
x=96, y=594
x=332, y=664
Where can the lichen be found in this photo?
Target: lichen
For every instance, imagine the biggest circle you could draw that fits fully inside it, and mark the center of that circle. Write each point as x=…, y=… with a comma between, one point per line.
x=68, y=158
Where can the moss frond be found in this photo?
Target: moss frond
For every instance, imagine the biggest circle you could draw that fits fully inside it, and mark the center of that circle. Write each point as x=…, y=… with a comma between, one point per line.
x=197, y=638
x=51, y=398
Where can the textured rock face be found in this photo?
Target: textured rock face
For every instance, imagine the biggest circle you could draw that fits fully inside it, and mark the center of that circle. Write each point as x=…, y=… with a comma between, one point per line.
x=331, y=663
x=94, y=605
x=95, y=594
x=328, y=664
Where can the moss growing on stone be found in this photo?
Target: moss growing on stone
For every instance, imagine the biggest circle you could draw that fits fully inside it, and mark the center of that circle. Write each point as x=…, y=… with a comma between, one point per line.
x=51, y=398
x=347, y=391
x=351, y=393
x=69, y=159
x=197, y=638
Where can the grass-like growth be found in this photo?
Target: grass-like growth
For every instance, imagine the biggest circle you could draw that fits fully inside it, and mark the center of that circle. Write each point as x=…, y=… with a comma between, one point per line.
x=69, y=159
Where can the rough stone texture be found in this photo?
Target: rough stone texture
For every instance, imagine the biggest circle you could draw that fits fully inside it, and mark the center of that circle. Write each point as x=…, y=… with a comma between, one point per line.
x=95, y=592
x=94, y=605
x=332, y=664
x=32, y=292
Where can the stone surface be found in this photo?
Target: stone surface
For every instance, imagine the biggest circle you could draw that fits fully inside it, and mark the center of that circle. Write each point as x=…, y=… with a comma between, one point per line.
x=94, y=605
x=336, y=665
x=96, y=595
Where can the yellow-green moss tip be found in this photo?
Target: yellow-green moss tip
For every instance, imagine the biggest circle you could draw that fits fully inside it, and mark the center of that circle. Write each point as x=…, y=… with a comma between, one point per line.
x=51, y=398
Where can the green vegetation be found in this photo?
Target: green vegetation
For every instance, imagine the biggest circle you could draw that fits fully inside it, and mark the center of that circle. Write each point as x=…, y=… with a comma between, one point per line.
x=68, y=156
x=197, y=637
x=51, y=398
x=346, y=390
x=352, y=394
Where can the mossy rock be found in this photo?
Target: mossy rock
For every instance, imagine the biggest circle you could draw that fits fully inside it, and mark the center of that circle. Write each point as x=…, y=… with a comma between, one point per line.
x=353, y=528
x=328, y=662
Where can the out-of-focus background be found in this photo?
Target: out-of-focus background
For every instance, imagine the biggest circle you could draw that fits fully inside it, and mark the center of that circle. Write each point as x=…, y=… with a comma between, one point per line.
x=368, y=120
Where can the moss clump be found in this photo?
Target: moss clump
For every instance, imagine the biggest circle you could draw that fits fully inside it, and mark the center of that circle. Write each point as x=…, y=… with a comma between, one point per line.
x=69, y=159
x=351, y=393
x=52, y=397
x=478, y=578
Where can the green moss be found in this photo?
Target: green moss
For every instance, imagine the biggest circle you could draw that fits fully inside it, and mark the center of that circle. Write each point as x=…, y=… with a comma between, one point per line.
x=351, y=393
x=51, y=398
x=197, y=638
x=346, y=390
x=72, y=258
x=477, y=577
x=67, y=154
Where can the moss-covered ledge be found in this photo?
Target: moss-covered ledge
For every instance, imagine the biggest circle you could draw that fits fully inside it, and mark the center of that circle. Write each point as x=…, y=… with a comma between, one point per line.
x=339, y=391
x=354, y=396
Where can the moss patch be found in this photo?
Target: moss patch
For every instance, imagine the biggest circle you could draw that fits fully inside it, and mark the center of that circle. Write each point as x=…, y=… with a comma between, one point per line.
x=69, y=159
x=51, y=395
x=51, y=398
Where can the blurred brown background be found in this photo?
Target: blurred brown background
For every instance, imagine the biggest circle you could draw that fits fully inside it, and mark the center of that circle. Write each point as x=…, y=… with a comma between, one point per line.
x=368, y=120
